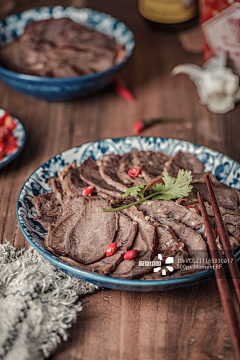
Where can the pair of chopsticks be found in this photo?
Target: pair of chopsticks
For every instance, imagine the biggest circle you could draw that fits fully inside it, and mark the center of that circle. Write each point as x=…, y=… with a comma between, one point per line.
x=223, y=287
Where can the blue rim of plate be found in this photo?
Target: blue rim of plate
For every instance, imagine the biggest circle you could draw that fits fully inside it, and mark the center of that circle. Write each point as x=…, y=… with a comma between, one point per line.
x=118, y=283
x=75, y=78
x=20, y=134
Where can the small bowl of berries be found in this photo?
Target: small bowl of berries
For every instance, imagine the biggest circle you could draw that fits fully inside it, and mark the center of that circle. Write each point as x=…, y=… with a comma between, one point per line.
x=12, y=137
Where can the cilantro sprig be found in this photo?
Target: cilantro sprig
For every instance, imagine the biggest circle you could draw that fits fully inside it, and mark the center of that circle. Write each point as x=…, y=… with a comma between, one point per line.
x=172, y=188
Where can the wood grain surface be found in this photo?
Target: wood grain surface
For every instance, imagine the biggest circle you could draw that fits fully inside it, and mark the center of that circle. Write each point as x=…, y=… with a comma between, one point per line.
x=187, y=323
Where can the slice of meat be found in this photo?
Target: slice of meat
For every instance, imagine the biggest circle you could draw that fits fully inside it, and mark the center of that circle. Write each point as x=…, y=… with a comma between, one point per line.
x=125, y=164
x=107, y=168
x=185, y=161
x=55, y=184
x=150, y=163
x=168, y=246
x=194, y=243
x=173, y=210
x=89, y=173
x=71, y=183
x=47, y=220
x=47, y=204
x=226, y=196
x=124, y=237
x=145, y=242
x=84, y=231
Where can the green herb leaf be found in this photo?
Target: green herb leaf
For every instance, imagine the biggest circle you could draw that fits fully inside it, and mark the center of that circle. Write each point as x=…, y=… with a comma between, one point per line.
x=136, y=191
x=172, y=188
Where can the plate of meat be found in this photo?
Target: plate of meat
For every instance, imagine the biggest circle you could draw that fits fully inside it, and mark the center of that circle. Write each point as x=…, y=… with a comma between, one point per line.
x=12, y=137
x=62, y=53
x=103, y=211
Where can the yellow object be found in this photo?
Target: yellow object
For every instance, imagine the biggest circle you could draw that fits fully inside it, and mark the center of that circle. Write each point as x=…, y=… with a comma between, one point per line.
x=168, y=11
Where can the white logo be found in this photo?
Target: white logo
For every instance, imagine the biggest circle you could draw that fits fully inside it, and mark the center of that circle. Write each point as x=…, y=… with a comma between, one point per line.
x=169, y=260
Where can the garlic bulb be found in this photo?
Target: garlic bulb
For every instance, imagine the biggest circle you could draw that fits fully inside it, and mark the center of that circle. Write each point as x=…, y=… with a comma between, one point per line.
x=217, y=85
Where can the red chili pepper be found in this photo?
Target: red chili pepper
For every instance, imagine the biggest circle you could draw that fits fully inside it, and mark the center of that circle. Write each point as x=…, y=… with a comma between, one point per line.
x=87, y=190
x=2, y=147
x=120, y=88
x=193, y=207
x=3, y=117
x=111, y=249
x=11, y=139
x=4, y=132
x=134, y=172
x=216, y=231
x=9, y=122
x=138, y=127
x=131, y=254
x=10, y=148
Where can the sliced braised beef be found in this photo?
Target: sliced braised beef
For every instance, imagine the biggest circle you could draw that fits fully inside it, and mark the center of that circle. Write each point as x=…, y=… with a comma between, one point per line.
x=89, y=173
x=227, y=197
x=178, y=219
x=185, y=161
x=173, y=210
x=107, y=168
x=145, y=242
x=55, y=184
x=60, y=48
x=47, y=220
x=168, y=246
x=84, y=231
x=195, y=245
x=125, y=164
x=124, y=237
x=71, y=183
x=47, y=204
x=150, y=163
x=231, y=219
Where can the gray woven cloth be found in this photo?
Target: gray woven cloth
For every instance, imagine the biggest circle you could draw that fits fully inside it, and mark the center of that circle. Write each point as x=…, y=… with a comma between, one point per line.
x=38, y=303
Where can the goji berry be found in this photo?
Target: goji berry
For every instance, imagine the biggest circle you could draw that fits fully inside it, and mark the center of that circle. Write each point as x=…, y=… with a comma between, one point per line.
x=131, y=254
x=111, y=249
x=134, y=172
x=87, y=190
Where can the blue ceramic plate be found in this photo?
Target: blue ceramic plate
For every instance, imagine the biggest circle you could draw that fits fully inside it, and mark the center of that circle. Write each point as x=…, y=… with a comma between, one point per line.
x=226, y=169
x=61, y=89
x=19, y=133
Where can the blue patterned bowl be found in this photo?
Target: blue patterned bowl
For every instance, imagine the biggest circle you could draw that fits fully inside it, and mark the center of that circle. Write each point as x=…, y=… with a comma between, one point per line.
x=20, y=134
x=220, y=165
x=62, y=89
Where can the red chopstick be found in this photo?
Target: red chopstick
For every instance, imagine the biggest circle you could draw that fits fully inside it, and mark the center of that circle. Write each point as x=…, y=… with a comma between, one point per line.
x=234, y=271
x=223, y=287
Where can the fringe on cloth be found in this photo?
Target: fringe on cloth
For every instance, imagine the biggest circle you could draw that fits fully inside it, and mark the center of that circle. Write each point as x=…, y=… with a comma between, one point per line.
x=38, y=303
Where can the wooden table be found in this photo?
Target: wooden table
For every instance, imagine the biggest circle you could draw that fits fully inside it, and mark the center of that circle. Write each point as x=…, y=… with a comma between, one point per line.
x=187, y=323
